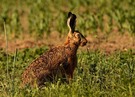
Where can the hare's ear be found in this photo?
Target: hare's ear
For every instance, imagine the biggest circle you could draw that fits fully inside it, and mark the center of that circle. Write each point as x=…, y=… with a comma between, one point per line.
x=71, y=22
x=69, y=14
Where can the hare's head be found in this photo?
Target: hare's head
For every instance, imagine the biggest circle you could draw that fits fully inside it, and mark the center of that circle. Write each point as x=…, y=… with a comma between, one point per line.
x=74, y=37
x=77, y=39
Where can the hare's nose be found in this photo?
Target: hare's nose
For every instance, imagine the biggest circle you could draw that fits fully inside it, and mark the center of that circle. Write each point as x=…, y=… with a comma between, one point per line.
x=83, y=43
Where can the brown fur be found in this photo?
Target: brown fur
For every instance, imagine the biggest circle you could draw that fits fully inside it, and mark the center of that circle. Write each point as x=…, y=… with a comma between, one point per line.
x=61, y=59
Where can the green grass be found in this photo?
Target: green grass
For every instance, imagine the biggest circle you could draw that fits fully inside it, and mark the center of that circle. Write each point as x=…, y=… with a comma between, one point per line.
x=46, y=16
x=97, y=75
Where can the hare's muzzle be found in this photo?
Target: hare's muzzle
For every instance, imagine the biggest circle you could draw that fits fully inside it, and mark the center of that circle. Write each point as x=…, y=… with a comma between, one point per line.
x=83, y=42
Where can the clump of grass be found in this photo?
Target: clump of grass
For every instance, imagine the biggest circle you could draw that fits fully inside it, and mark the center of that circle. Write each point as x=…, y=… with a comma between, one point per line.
x=43, y=17
x=97, y=74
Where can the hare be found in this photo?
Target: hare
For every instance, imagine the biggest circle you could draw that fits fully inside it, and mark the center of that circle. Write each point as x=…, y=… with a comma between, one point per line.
x=61, y=59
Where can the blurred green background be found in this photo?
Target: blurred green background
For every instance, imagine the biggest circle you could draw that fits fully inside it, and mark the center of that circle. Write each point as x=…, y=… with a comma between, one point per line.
x=46, y=16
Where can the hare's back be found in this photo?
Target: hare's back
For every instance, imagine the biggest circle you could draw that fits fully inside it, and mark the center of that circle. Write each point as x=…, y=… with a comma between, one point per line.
x=49, y=60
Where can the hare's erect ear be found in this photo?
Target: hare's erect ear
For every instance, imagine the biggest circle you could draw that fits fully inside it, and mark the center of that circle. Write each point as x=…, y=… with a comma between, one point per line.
x=71, y=22
x=69, y=14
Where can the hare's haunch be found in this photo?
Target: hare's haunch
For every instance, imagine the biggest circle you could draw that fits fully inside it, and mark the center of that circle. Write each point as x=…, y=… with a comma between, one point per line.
x=60, y=59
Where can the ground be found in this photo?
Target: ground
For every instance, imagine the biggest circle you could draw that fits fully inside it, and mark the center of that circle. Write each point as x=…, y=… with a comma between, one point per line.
x=100, y=41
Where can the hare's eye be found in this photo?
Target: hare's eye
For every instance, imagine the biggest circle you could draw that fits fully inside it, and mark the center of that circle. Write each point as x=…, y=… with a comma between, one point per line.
x=77, y=35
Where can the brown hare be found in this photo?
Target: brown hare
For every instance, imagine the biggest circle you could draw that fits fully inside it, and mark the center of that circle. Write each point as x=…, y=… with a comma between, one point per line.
x=61, y=58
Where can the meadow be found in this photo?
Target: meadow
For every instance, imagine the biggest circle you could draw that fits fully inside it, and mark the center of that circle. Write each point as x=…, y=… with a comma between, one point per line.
x=101, y=71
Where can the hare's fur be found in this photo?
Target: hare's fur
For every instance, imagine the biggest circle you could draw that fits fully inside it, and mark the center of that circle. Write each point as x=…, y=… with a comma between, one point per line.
x=61, y=59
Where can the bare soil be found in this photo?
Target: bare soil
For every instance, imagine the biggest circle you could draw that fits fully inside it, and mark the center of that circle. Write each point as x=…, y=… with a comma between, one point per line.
x=104, y=42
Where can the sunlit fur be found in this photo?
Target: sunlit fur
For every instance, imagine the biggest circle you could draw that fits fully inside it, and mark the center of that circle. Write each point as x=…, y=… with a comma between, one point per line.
x=60, y=59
